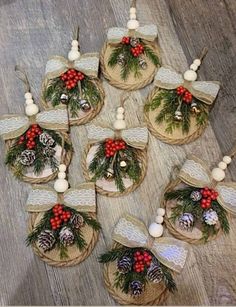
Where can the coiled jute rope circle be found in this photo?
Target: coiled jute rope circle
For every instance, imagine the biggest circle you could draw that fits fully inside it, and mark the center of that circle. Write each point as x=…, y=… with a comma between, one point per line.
x=158, y=133
x=73, y=259
x=143, y=159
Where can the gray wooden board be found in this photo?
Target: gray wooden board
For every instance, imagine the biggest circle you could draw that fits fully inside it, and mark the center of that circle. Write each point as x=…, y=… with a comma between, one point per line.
x=33, y=30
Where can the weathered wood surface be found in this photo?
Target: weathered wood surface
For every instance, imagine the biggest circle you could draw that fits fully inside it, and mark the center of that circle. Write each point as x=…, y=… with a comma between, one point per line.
x=33, y=30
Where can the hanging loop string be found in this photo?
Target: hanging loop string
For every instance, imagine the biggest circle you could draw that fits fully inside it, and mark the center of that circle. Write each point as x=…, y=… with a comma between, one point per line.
x=232, y=152
x=21, y=74
x=124, y=97
x=203, y=53
x=133, y=3
x=76, y=34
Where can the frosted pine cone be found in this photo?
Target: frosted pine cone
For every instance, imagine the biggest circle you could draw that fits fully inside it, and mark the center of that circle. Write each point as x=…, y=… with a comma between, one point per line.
x=124, y=264
x=154, y=273
x=136, y=288
x=196, y=195
x=186, y=221
x=27, y=157
x=210, y=217
x=46, y=139
x=49, y=152
x=66, y=236
x=46, y=240
x=77, y=220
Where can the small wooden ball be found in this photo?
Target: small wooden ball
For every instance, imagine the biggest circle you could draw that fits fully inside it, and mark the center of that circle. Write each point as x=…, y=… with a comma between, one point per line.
x=120, y=110
x=73, y=55
x=197, y=62
x=29, y=101
x=155, y=230
x=31, y=109
x=28, y=95
x=193, y=67
x=119, y=116
x=161, y=211
x=61, y=175
x=132, y=16
x=132, y=10
x=218, y=174
x=62, y=168
x=227, y=159
x=222, y=165
x=74, y=43
x=190, y=75
x=159, y=219
x=61, y=185
x=119, y=124
x=132, y=24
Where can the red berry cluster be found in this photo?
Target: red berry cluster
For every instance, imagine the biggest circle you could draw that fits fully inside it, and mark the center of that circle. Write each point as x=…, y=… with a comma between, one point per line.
x=207, y=196
x=112, y=146
x=187, y=96
x=136, y=51
x=60, y=216
x=141, y=259
x=30, y=136
x=71, y=78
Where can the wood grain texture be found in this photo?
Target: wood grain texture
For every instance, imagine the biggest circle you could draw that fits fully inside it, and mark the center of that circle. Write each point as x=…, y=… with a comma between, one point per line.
x=33, y=30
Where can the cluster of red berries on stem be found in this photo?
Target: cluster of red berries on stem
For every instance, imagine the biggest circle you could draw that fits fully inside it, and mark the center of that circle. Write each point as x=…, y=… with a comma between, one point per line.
x=112, y=146
x=137, y=50
x=60, y=216
x=208, y=195
x=71, y=78
x=186, y=95
x=33, y=132
x=142, y=259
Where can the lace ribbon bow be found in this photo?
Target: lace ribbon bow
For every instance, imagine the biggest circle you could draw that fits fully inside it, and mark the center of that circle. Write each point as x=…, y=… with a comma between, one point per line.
x=195, y=173
x=13, y=126
x=205, y=91
x=131, y=232
x=136, y=137
x=148, y=32
x=43, y=198
x=87, y=64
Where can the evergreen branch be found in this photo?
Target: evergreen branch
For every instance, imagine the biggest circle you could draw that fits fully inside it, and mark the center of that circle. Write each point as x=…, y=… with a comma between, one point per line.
x=79, y=239
x=222, y=215
x=63, y=251
x=117, y=174
x=91, y=221
x=202, y=117
x=113, y=254
x=168, y=279
x=90, y=91
x=13, y=153
x=113, y=59
x=185, y=109
x=151, y=54
x=179, y=194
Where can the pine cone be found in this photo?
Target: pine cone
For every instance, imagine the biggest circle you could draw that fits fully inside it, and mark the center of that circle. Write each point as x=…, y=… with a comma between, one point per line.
x=66, y=236
x=46, y=240
x=136, y=288
x=210, y=217
x=46, y=139
x=196, y=195
x=154, y=273
x=186, y=221
x=124, y=264
x=77, y=220
x=49, y=152
x=134, y=41
x=27, y=157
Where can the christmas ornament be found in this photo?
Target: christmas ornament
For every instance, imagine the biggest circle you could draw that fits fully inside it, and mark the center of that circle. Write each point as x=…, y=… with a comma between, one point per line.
x=130, y=56
x=197, y=203
x=116, y=159
x=138, y=269
x=62, y=223
x=74, y=82
x=177, y=110
x=38, y=142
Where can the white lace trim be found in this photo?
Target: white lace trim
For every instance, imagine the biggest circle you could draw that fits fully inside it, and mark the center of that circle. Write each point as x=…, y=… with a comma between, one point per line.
x=228, y=194
x=12, y=124
x=137, y=135
x=87, y=64
x=99, y=133
x=57, y=116
x=206, y=87
x=83, y=197
x=195, y=170
x=117, y=33
x=54, y=65
x=169, y=76
x=41, y=197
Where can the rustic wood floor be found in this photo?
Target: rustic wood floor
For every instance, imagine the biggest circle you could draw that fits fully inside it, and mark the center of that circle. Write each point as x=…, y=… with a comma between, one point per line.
x=33, y=30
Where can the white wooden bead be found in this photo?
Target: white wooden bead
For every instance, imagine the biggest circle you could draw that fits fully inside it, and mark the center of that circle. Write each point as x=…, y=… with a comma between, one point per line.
x=218, y=174
x=119, y=124
x=73, y=55
x=120, y=110
x=132, y=10
x=155, y=230
x=132, y=16
x=74, y=48
x=74, y=43
x=161, y=211
x=123, y=164
x=132, y=24
x=28, y=95
x=159, y=219
x=119, y=116
x=190, y=75
x=61, y=175
x=227, y=159
x=197, y=62
x=29, y=101
x=222, y=165
x=193, y=67
x=31, y=109
x=62, y=168
x=61, y=185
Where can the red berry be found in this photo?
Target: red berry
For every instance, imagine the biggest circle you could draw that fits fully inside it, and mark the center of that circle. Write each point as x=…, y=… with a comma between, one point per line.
x=137, y=253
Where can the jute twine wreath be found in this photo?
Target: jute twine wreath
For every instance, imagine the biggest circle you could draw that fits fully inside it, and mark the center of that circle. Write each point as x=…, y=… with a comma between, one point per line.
x=90, y=115
x=173, y=228
x=112, y=74
x=154, y=294
x=143, y=158
x=75, y=255
x=158, y=130
x=66, y=161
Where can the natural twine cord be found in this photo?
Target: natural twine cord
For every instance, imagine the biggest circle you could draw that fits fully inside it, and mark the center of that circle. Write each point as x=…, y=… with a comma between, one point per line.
x=66, y=263
x=21, y=74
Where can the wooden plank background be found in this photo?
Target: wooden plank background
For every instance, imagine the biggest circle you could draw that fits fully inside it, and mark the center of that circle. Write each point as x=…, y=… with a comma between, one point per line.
x=33, y=30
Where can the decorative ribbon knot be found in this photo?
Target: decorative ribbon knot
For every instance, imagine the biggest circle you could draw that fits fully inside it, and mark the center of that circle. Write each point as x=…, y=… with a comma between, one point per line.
x=43, y=198
x=136, y=137
x=13, y=126
x=195, y=173
x=148, y=32
x=205, y=91
x=131, y=232
x=88, y=64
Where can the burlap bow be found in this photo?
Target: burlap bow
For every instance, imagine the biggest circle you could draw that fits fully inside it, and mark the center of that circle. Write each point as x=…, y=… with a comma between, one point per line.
x=131, y=232
x=195, y=173
x=205, y=91
x=43, y=198
x=136, y=137
x=12, y=126
x=87, y=64
x=148, y=32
